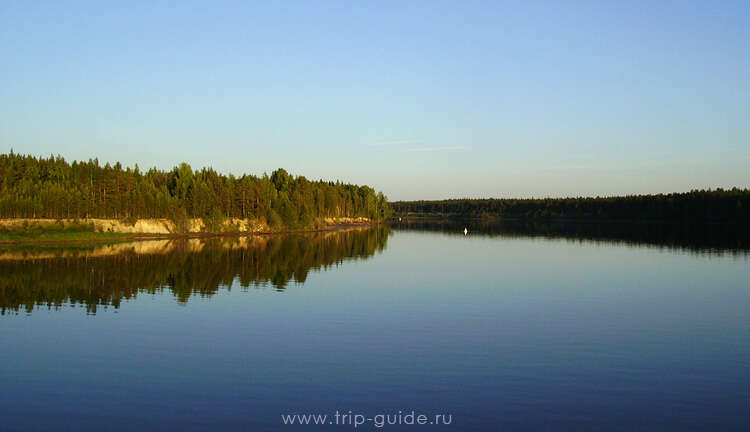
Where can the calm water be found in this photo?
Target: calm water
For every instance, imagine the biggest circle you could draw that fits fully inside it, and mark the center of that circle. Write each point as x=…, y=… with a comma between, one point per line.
x=508, y=328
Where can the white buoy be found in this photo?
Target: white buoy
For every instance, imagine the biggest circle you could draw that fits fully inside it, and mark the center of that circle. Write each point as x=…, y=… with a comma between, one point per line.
x=466, y=231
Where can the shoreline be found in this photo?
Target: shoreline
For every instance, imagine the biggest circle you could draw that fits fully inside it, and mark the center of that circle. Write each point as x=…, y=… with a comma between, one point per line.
x=116, y=237
x=422, y=217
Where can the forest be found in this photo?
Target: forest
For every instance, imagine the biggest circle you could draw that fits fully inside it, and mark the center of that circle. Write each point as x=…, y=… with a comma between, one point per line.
x=37, y=187
x=698, y=238
x=718, y=205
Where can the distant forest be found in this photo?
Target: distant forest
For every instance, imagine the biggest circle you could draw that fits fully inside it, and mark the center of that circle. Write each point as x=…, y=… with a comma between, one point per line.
x=32, y=187
x=699, y=238
x=717, y=205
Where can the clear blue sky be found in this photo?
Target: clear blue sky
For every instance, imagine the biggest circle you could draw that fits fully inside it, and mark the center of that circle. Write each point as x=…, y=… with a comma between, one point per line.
x=419, y=99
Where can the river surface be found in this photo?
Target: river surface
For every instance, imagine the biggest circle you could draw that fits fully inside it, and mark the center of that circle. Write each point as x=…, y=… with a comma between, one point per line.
x=506, y=328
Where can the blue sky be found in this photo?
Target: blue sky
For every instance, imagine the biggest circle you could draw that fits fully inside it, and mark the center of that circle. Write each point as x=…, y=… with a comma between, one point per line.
x=419, y=99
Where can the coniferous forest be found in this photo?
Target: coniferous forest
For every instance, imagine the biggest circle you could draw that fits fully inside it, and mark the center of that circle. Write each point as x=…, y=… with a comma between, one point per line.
x=36, y=187
x=718, y=205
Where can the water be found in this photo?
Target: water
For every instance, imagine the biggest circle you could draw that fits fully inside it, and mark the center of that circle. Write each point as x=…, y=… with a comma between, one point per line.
x=508, y=328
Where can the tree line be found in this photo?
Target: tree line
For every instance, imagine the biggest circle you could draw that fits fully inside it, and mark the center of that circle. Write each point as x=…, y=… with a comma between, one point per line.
x=700, y=238
x=274, y=261
x=718, y=205
x=38, y=187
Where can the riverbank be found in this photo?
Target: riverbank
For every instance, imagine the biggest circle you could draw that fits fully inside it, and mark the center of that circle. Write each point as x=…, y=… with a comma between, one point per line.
x=31, y=231
x=490, y=218
x=714, y=206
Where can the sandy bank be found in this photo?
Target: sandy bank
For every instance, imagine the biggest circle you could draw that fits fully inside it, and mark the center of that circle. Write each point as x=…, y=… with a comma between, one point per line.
x=157, y=246
x=97, y=229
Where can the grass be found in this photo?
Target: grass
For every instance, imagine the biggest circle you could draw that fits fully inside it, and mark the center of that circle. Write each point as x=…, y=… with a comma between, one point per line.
x=31, y=232
x=54, y=232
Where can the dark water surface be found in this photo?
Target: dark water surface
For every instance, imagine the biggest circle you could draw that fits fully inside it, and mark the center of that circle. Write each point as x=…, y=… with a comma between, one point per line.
x=508, y=328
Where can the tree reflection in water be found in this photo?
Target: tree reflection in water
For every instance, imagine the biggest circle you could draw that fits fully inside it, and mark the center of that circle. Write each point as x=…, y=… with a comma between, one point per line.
x=106, y=275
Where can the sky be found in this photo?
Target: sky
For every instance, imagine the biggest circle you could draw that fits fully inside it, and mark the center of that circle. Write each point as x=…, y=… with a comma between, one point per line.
x=419, y=99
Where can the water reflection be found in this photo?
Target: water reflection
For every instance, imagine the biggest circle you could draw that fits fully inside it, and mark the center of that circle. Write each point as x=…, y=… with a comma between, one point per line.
x=105, y=275
x=89, y=276
x=700, y=238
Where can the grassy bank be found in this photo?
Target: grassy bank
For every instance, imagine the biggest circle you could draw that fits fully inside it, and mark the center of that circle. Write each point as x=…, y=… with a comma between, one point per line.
x=25, y=231
x=56, y=232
